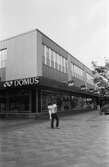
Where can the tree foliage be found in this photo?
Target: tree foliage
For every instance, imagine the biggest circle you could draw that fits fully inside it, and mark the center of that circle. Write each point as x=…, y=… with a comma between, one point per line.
x=101, y=75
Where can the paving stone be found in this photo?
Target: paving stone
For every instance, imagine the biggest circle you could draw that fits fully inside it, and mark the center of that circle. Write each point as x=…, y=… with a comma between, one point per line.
x=82, y=141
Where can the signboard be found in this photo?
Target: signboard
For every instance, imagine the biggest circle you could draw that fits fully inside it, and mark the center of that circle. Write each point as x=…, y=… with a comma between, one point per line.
x=21, y=82
x=70, y=83
x=83, y=87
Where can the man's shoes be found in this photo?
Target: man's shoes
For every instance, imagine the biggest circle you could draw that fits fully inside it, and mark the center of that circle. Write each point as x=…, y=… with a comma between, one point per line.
x=57, y=127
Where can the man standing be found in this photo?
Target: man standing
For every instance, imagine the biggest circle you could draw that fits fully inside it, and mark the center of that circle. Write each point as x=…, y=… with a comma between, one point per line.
x=50, y=110
x=53, y=114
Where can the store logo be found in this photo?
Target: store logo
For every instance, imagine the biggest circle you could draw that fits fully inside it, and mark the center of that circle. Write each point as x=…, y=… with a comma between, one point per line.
x=26, y=81
x=8, y=84
x=21, y=82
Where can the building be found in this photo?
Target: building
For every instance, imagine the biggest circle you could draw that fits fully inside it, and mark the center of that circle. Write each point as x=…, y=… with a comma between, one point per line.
x=34, y=69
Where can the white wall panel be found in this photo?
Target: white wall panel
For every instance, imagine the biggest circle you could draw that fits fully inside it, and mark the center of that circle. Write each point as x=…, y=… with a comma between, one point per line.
x=21, y=58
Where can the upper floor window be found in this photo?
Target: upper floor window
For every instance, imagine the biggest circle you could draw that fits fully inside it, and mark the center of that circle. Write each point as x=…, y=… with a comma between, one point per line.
x=45, y=54
x=89, y=78
x=3, y=58
x=65, y=65
x=49, y=57
x=72, y=69
x=54, y=60
x=77, y=71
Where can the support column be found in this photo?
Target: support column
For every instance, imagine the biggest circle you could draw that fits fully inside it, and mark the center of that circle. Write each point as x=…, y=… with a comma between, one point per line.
x=39, y=100
x=7, y=104
x=36, y=101
x=33, y=101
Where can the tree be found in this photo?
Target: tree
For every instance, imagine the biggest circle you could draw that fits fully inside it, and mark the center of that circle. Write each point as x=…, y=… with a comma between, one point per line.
x=101, y=77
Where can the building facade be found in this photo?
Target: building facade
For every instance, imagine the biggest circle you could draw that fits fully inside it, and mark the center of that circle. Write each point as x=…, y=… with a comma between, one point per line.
x=34, y=70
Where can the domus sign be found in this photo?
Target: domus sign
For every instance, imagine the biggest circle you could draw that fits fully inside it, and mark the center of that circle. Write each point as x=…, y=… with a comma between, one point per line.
x=21, y=82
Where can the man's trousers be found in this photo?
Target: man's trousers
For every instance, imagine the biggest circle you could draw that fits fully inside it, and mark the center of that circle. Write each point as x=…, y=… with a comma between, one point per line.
x=54, y=117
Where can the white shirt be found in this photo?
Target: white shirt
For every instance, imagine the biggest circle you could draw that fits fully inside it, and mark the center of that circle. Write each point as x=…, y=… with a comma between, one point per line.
x=52, y=109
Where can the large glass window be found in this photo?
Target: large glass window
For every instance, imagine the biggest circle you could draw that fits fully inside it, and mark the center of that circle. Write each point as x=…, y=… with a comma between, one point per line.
x=66, y=64
x=19, y=104
x=65, y=102
x=89, y=79
x=72, y=69
x=3, y=58
x=77, y=72
x=55, y=55
x=45, y=55
x=54, y=60
x=2, y=104
x=49, y=56
x=62, y=64
x=58, y=60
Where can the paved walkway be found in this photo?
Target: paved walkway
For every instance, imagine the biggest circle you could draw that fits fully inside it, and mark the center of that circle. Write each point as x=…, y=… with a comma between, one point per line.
x=82, y=141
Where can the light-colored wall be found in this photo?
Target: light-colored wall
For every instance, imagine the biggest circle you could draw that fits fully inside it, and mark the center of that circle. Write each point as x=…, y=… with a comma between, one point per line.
x=21, y=58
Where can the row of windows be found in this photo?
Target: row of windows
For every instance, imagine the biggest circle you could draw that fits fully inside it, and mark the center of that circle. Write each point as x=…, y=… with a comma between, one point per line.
x=77, y=72
x=55, y=60
x=3, y=58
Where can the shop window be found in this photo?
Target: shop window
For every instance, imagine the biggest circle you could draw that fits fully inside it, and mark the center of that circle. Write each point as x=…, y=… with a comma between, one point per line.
x=2, y=105
x=19, y=104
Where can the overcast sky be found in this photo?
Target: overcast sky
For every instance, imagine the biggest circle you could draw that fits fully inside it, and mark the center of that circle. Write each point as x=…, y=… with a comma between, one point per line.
x=79, y=26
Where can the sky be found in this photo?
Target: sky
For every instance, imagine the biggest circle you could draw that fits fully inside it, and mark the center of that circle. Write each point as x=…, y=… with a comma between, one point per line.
x=79, y=26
